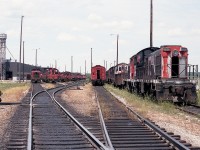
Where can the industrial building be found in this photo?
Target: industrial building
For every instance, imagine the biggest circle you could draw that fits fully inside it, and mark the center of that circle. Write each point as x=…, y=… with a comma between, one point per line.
x=10, y=70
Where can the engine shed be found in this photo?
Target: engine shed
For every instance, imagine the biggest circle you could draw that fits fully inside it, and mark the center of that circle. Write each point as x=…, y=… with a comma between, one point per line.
x=10, y=70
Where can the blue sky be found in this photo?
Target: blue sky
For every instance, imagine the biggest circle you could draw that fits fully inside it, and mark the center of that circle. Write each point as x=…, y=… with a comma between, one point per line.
x=64, y=28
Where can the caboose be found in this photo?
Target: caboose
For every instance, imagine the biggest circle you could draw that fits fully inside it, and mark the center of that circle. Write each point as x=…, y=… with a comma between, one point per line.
x=98, y=75
x=162, y=73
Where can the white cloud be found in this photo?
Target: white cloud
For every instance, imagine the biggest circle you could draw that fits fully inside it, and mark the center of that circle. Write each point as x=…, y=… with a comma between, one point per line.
x=95, y=18
x=119, y=25
x=195, y=32
x=175, y=32
x=74, y=38
x=12, y=33
x=66, y=37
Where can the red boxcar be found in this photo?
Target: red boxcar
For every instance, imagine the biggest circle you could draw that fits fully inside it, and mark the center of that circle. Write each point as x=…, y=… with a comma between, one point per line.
x=98, y=75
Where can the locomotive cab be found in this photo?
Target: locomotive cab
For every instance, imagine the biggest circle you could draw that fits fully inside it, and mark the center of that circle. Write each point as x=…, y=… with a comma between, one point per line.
x=175, y=84
x=174, y=60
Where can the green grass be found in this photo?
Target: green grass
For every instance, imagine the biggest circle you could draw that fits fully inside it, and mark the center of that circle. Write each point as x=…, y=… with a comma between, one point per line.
x=143, y=105
x=5, y=86
x=198, y=97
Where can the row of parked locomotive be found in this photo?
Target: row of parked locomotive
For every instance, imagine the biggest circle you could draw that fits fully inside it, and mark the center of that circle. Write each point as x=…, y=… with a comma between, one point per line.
x=161, y=73
x=53, y=75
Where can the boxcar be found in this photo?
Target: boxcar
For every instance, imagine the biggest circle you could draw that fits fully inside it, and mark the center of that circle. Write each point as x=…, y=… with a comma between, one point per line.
x=98, y=75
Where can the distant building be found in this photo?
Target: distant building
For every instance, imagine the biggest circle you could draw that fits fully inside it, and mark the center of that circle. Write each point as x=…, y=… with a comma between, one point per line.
x=10, y=70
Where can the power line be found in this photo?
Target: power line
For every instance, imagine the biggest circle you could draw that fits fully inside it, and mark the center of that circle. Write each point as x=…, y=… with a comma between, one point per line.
x=10, y=53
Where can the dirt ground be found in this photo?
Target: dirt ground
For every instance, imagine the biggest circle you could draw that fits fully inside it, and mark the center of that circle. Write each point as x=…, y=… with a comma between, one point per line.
x=7, y=111
x=188, y=127
x=82, y=99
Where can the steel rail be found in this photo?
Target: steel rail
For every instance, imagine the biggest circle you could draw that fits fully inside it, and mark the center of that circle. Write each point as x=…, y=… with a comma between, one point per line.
x=108, y=141
x=81, y=127
x=30, y=125
x=172, y=141
x=189, y=111
x=197, y=106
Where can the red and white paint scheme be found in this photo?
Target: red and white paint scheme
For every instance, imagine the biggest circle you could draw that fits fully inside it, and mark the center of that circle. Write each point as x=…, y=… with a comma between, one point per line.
x=162, y=73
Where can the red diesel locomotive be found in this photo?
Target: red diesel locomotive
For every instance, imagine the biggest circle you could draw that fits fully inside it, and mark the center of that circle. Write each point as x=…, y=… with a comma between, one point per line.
x=98, y=75
x=161, y=73
x=36, y=76
x=51, y=75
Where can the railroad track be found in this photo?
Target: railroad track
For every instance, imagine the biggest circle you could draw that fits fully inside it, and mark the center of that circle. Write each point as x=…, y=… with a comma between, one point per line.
x=16, y=135
x=53, y=127
x=49, y=128
x=94, y=123
x=128, y=131
x=191, y=109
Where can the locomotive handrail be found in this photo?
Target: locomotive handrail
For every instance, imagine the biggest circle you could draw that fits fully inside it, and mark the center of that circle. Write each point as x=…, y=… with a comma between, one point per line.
x=168, y=65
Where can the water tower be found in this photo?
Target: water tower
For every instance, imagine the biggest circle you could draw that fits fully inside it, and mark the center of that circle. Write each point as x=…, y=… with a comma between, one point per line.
x=3, y=38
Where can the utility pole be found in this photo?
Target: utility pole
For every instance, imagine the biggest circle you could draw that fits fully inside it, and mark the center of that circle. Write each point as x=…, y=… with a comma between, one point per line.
x=23, y=61
x=91, y=58
x=117, y=49
x=71, y=63
x=56, y=64
x=20, y=50
x=36, y=58
x=85, y=67
x=151, y=24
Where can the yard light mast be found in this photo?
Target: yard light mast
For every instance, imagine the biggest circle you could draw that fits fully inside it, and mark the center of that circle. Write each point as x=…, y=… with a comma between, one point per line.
x=151, y=24
x=20, y=50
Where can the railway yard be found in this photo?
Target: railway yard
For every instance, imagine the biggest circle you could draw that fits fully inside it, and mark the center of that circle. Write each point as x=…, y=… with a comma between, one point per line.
x=72, y=86
x=127, y=121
